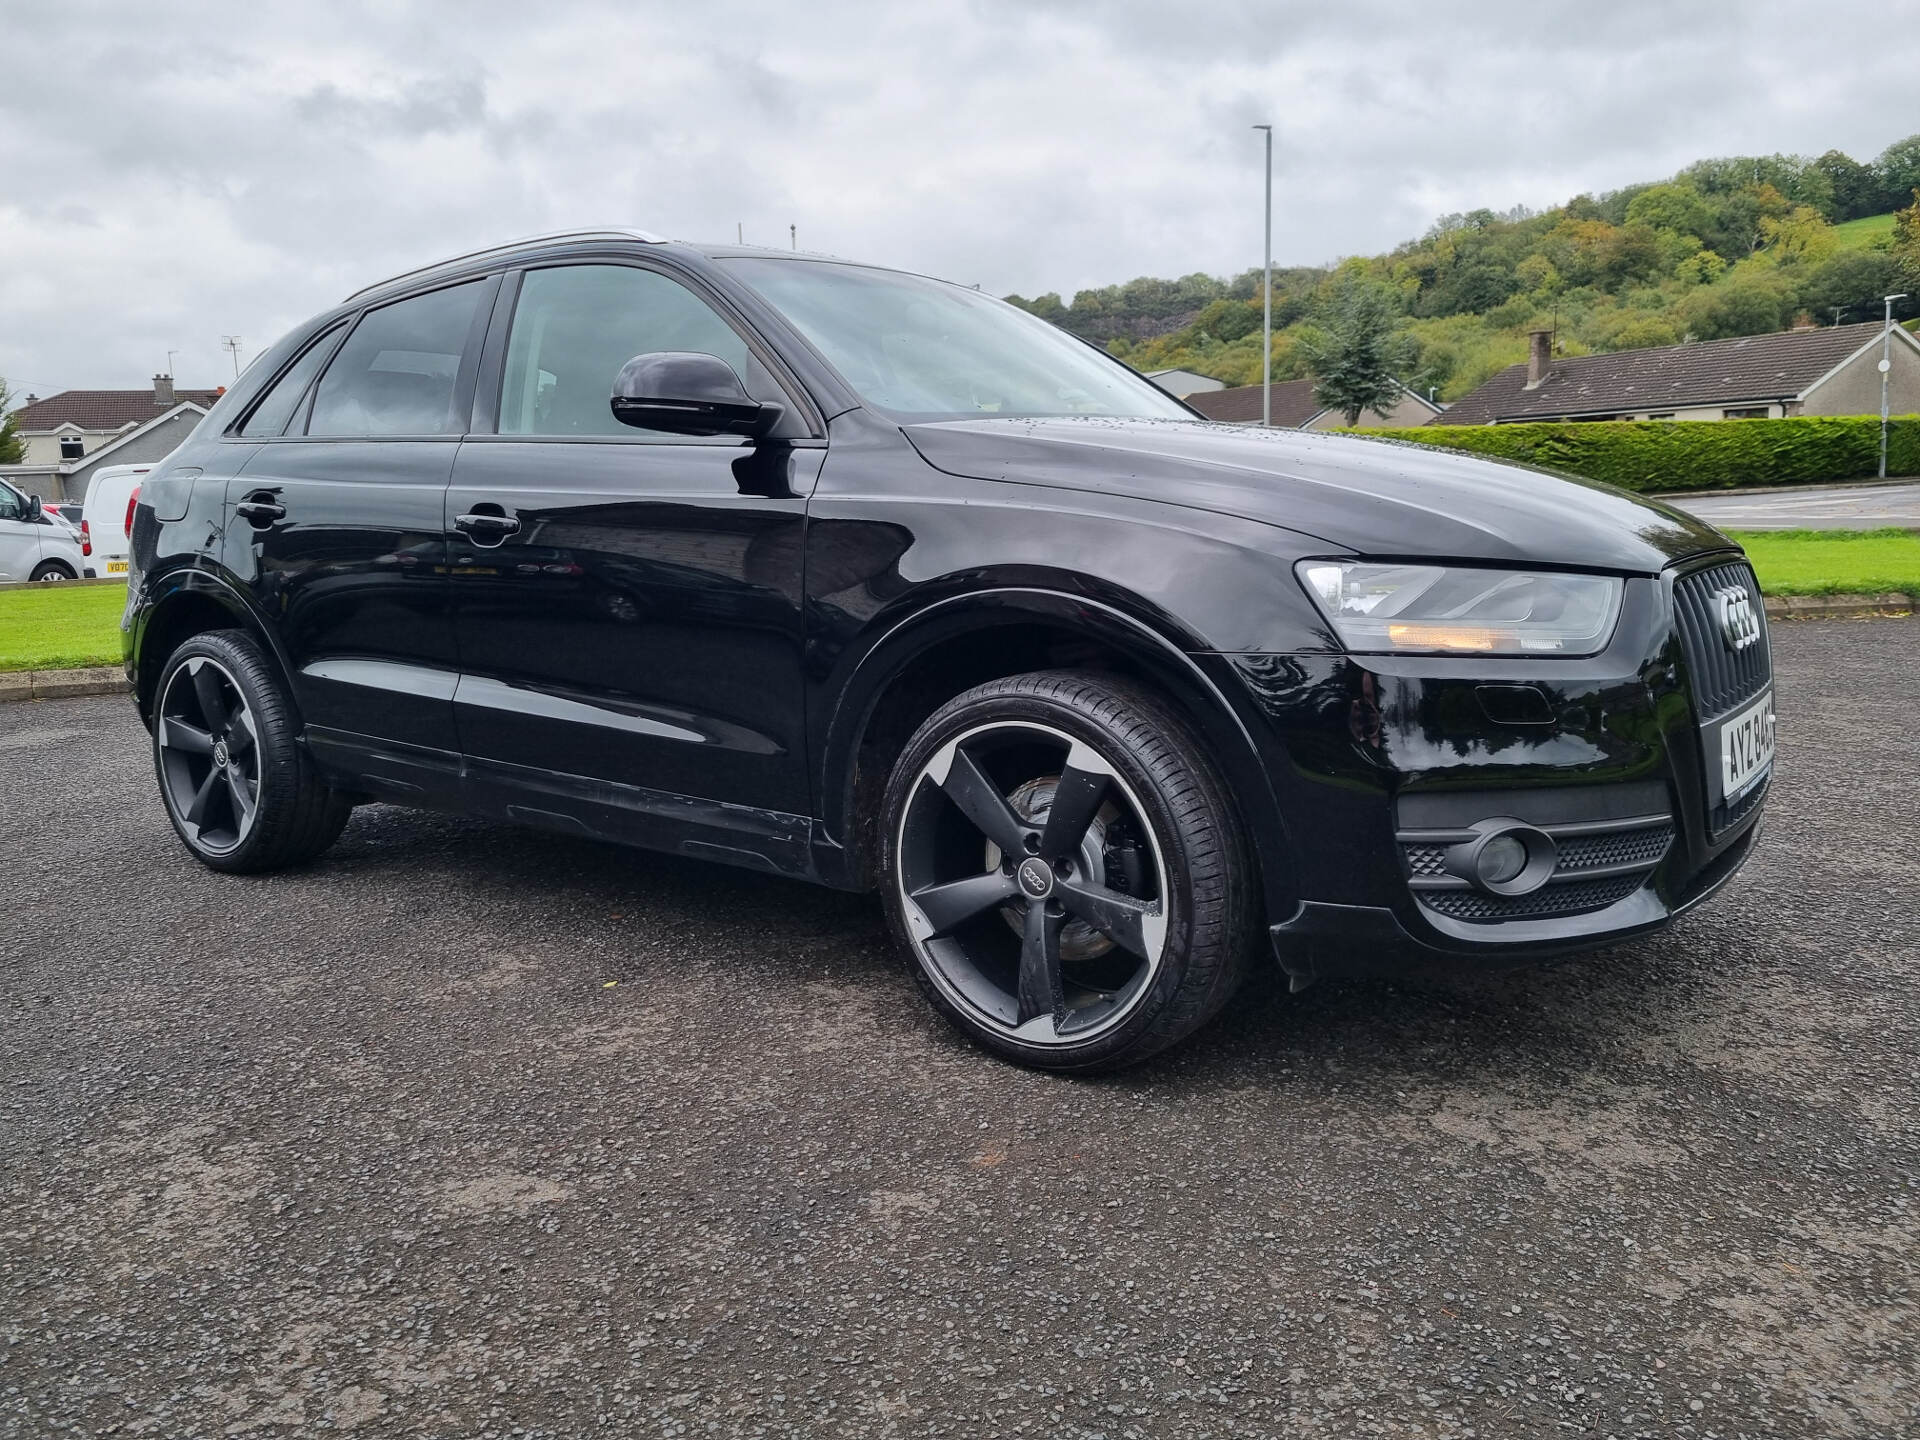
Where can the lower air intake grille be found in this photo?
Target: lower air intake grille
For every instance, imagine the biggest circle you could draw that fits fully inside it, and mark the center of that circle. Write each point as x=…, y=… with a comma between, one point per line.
x=1557, y=898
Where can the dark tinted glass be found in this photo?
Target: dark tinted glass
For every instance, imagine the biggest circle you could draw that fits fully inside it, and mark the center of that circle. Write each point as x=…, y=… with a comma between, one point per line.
x=270, y=416
x=574, y=327
x=395, y=375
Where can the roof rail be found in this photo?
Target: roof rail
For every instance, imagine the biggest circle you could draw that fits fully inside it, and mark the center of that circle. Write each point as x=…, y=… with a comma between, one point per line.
x=611, y=232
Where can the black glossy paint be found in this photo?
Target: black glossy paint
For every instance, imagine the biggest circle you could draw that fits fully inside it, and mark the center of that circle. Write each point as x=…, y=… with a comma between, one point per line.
x=699, y=643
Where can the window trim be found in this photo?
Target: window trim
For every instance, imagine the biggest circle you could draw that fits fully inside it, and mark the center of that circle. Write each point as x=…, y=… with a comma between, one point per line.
x=490, y=387
x=330, y=336
x=463, y=390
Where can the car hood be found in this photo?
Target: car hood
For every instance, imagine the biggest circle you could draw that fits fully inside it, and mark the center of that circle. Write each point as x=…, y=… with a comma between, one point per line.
x=1370, y=496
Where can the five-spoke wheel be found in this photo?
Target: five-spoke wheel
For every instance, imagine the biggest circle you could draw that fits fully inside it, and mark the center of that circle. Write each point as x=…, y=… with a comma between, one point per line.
x=209, y=755
x=242, y=792
x=1043, y=860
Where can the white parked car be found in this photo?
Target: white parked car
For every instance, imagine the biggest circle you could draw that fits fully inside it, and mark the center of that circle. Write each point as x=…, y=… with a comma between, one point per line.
x=107, y=517
x=34, y=546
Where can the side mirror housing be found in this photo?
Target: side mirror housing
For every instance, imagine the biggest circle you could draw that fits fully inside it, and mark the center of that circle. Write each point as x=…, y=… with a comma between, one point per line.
x=686, y=393
x=34, y=509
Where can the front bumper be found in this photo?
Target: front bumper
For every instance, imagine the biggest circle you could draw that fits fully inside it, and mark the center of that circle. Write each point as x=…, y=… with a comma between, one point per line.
x=1376, y=761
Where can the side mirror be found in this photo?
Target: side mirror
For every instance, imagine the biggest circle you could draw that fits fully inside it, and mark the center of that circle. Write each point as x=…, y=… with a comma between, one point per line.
x=34, y=509
x=685, y=393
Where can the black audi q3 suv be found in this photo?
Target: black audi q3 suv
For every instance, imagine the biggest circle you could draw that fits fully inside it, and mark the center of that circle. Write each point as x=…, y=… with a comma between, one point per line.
x=853, y=576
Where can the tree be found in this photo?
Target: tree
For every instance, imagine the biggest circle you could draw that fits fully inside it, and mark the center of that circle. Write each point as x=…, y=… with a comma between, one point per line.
x=1898, y=168
x=1356, y=353
x=1905, y=248
x=1856, y=187
x=1852, y=283
x=1800, y=237
x=13, y=449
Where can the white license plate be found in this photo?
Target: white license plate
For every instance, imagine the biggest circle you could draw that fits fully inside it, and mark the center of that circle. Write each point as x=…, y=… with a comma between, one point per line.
x=116, y=567
x=1746, y=748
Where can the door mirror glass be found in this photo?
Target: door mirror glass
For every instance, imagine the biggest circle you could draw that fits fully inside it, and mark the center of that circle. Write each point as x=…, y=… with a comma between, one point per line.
x=34, y=510
x=685, y=393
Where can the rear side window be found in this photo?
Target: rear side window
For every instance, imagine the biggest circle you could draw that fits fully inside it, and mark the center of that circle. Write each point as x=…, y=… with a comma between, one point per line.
x=396, y=373
x=270, y=416
x=575, y=326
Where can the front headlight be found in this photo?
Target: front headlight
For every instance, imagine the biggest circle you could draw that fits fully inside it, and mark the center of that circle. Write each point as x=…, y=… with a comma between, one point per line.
x=1461, y=610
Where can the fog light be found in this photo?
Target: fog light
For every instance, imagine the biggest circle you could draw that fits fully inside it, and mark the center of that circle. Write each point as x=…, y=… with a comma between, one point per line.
x=1505, y=857
x=1500, y=859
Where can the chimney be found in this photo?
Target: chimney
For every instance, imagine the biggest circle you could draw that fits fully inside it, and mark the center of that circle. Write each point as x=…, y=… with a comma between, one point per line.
x=163, y=392
x=1539, y=357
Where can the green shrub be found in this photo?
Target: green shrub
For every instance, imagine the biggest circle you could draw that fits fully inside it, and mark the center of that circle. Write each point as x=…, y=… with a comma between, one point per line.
x=1691, y=454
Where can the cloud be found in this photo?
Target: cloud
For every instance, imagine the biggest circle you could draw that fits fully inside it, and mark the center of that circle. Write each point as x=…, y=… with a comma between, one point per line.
x=175, y=173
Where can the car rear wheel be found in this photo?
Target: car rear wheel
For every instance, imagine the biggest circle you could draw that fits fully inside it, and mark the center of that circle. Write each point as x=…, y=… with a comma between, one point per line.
x=1066, y=871
x=241, y=792
x=49, y=571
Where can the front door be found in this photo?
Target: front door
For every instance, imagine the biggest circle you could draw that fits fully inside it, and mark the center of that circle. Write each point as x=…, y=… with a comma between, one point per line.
x=335, y=522
x=19, y=539
x=627, y=604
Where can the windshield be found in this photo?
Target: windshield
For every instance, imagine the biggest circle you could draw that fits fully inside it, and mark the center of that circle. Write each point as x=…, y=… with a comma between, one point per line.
x=925, y=350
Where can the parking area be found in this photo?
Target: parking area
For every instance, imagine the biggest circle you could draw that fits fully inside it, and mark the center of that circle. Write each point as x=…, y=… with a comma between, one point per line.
x=467, y=1131
x=1827, y=507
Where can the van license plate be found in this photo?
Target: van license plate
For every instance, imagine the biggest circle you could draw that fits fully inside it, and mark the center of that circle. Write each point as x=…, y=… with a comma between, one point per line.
x=1746, y=748
x=116, y=567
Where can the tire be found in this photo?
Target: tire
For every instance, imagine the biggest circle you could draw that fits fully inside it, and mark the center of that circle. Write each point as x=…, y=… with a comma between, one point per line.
x=1071, y=971
x=239, y=789
x=48, y=571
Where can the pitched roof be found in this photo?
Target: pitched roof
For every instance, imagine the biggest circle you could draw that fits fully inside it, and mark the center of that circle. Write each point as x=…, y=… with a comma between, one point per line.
x=103, y=409
x=1667, y=377
x=1293, y=403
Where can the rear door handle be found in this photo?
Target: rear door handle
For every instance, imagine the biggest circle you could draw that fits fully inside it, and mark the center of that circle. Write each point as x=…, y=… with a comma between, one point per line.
x=260, y=512
x=487, y=529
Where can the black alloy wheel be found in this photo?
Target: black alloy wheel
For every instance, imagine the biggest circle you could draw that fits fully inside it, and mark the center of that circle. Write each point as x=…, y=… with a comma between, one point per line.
x=209, y=756
x=240, y=789
x=1053, y=837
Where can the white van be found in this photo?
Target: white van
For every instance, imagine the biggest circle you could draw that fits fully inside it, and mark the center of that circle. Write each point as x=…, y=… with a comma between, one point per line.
x=106, y=520
x=34, y=546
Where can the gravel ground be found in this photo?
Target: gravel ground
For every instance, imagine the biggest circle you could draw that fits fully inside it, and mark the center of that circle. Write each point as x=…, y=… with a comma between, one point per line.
x=468, y=1131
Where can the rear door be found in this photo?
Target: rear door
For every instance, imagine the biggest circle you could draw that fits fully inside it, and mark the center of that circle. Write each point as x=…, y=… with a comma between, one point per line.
x=336, y=520
x=628, y=603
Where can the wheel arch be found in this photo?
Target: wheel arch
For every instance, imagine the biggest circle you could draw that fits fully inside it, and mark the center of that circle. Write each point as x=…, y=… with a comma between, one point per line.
x=178, y=607
x=962, y=641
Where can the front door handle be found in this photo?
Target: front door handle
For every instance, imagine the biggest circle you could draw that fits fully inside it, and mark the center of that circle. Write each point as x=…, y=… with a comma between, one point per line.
x=261, y=513
x=486, y=529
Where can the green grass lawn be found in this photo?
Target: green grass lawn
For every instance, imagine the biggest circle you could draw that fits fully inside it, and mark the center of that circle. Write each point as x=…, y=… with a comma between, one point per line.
x=1834, y=562
x=57, y=627
x=1859, y=234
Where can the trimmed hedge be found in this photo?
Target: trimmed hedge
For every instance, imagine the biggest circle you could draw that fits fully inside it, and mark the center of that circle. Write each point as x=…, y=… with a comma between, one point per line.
x=1655, y=455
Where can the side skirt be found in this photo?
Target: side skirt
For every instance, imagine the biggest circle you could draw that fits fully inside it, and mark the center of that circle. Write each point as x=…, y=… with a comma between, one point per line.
x=766, y=840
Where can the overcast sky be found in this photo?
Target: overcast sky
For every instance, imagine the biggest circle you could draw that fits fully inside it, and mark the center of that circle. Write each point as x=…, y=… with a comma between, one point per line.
x=176, y=171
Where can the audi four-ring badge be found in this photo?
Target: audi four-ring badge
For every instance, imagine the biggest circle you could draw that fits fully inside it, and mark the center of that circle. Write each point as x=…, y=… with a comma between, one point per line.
x=850, y=576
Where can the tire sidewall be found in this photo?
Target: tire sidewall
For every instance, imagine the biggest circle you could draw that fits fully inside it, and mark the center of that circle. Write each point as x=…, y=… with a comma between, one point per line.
x=1109, y=1049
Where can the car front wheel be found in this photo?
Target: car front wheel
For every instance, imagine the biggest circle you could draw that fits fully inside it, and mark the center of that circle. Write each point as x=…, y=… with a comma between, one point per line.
x=1066, y=871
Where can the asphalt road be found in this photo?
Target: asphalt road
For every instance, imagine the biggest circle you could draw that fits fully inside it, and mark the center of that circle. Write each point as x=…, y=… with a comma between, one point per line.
x=1827, y=507
x=381, y=1146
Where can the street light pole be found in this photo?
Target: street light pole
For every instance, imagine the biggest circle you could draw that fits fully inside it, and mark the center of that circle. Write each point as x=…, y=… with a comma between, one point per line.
x=1886, y=369
x=1266, y=298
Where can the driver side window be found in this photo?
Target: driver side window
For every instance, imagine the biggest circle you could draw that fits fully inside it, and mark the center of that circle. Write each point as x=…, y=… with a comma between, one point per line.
x=575, y=326
x=12, y=507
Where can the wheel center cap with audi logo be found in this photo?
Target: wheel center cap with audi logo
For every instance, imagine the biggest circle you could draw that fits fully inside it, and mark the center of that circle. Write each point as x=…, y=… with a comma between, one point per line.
x=1036, y=878
x=220, y=753
x=1739, y=627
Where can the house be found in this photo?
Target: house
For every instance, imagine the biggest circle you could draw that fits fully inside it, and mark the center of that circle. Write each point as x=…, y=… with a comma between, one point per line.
x=1294, y=408
x=70, y=434
x=1182, y=383
x=1831, y=371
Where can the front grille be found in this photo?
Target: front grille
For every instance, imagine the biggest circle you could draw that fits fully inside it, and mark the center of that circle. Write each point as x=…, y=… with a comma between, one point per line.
x=1570, y=898
x=1722, y=678
x=1725, y=816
